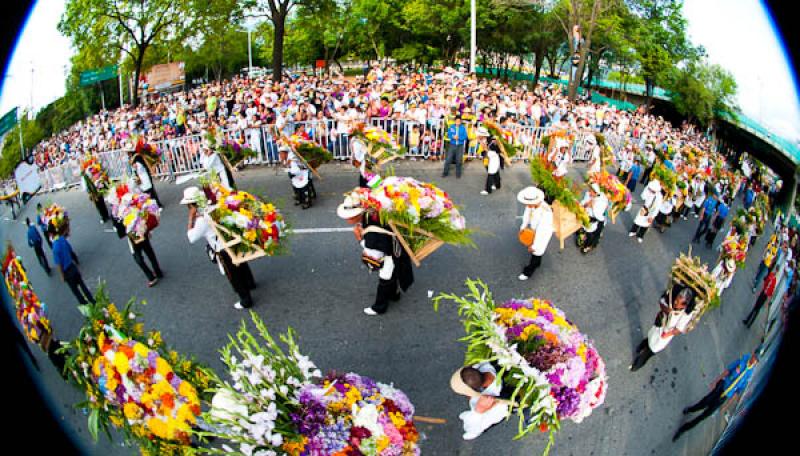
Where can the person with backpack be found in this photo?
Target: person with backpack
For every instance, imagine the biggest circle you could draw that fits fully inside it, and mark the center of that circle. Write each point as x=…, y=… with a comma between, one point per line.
x=493, y=161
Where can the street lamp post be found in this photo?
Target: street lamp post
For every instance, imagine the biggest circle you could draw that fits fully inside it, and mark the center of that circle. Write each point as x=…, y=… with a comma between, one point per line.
x=473, y=37
x=249, y=53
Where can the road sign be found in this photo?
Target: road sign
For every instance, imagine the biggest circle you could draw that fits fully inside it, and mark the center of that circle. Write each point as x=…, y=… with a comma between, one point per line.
x=8, y=121
x=101, y=74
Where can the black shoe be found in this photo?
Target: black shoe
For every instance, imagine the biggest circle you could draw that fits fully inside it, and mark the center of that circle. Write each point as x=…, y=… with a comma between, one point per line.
x=686, y=411
x=676, y=436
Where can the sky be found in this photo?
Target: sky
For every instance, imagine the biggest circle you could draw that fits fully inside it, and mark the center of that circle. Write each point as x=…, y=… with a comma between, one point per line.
x=737, y=34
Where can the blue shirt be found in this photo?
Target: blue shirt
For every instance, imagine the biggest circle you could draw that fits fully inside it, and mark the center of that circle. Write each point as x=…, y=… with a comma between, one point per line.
x=709, y=206
x=738, y=376
x=722, y=211
x=635, y=171
x=749, y=196
x=668, y=164
x=34, y=238
x=62, y=253
x=457, y=134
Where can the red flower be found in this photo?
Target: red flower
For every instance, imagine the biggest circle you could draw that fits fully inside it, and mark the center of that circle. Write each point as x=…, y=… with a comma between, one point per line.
x=543, y=427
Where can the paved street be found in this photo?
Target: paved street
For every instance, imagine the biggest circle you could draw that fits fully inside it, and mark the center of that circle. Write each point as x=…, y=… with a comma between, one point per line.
x=320, y=288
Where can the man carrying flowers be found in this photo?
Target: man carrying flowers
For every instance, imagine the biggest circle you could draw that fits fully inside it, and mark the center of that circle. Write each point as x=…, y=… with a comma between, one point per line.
x=382, y=252
x=538, y=221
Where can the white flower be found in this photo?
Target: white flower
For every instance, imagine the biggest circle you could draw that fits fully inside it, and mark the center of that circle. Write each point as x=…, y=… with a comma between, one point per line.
x=268, y=394
x=276, y=440
x=246, y=449
x=367, y=417
x=227, y=449
x=265, y=453
x=283, y=389
x=291, y=381
x=131, y=316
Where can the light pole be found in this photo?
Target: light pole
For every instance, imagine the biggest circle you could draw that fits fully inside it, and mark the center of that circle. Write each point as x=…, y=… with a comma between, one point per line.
x=473, y=36
x=249, y=54
x=19, y=127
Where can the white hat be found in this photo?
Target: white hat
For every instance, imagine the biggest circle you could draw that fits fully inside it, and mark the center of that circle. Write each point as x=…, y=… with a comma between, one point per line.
x=350, y=208
x=730, y=264
x=654, y=186
x=458, y=385
x=191, y=195
x=482, y=131
x=530, y=195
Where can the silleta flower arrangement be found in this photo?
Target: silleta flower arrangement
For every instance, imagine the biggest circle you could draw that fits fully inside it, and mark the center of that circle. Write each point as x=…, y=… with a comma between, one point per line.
x=415, y=204
x=55, y=218
x=132, y=382
x=617, y=193
x=94, y=171
x=734, y=247
x=377, y=139
x=137, y=211
x=235, y=152
x=260, y=225
x=31, y=312
x=554, y=369
x=503, y=136
x=278, y=404
x=561, y=190
x=150, y=153
x=313, y=154
x=666, y=177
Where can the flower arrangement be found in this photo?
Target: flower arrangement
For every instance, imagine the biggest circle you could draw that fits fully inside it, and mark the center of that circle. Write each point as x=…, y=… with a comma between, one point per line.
x=561, y=190
x=279, y=404
x=313, y=154
x=137, y=211
x=379, y=140
x=31, y=312
x=235, y=152
x=132, y=381
x=734, y=246
x=149, y=153
x=555, y=370
x=415, y=204
x=617, y=193
x=666, y=177
x=501, y=134
x=56, y=219
x=259, y=225
x=550, y=141
x=691, y=272
x=93, y=170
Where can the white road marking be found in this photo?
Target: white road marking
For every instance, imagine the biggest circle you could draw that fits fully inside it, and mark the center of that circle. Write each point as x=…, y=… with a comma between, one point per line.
x=321, y=230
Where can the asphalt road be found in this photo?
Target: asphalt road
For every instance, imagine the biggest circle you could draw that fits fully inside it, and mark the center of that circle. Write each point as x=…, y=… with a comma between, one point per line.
x=320, y=287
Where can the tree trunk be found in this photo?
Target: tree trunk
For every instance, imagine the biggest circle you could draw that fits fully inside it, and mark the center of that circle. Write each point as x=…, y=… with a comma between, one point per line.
x=648, y=91
x=537, y=66
x=584, y=51
x=137, y=73
x=279, y=26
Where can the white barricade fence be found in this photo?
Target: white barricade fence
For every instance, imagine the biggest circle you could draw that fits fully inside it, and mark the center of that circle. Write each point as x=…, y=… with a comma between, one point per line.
x=182, y=155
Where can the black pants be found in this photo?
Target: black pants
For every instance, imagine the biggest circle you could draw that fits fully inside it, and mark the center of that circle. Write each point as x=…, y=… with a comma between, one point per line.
x=73, y=278
x=661, y=221
x=533, y=265
x=240, y=277
x=709, y=404
x=101, y=208
x=751, y=317
x=362, y=182
x=643, y=353
x=492, y=179
x=702, y=227
x=455, y=153
x=646, y=175
x=593, y=238
x=147, y=248
x=639, y=230
x=58, y=359
x=389, y=290
x=41, y=257
x=303, y=195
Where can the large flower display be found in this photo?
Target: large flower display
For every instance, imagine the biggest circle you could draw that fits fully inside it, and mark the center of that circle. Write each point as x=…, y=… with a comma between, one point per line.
x=278, y=404
x=31, y=312
x=415, y=204
x=618, y=194
x=561, y=190
x=137, y=211
x=55, y=219
x=235, y=152
x=734, y=247
x=259, y=225
x=382, y=144
x=96, y=174
x=554, y=369
x=504, y=137
x=149, y=152
x=312, y=153
x=132, y=382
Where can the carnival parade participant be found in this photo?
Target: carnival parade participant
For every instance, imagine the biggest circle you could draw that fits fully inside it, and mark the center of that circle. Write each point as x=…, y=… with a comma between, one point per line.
x=95, y=197
x=720, y=215
x=723, y=274
x=677, y=305
x=767, y=291
x=381, y=252
x=212, y=162
x=663, y=219
x=493, y=161
x=482, y=385
x=35, y=242
x=300, y=177
x=652, y=199
x=595, y=203
x=359, y=160
x=142, y=176
x=537, y=220
x=706, y=215
x=240, y=277
x=42, y=225
x=66, y=260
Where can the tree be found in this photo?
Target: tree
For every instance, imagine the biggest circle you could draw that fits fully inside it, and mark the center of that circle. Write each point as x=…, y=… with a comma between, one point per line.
x=131, y=26
x=276, y=11
x=700, y=91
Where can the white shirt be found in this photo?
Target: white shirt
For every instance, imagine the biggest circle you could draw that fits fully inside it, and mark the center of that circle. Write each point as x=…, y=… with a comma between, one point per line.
x=299, y=176
x=214, y=163
x=721, y=277
x=541, y=221
x=202, y=228
x=144, y=178
x=652, y=202
x=676, y=319
x=494, y=161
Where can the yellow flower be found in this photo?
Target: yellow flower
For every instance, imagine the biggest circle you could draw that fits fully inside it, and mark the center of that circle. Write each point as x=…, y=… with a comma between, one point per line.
x=158, y=428
x=162, y=387
x=397, y=419
x=140, y=349
x=528, y=332
x=250, y=235
x=138, y=329
x=185, y=414
x=352, y=396
x=101, y=340
x=116, y=421
x=132, y=411
x=582, y=352
x=156, y=338
x=97, y=366
x=382, y=443
x=187, y=390
x=121, y=363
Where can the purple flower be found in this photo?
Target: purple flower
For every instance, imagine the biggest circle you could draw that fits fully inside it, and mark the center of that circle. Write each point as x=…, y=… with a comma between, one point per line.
x=568, y=401
x=546, y=314
x=309, y=418
x=151, y=358
x=516, y=331
x=516, y=304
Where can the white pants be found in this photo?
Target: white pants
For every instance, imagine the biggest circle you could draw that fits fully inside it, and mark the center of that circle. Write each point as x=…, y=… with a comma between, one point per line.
x=475, y=423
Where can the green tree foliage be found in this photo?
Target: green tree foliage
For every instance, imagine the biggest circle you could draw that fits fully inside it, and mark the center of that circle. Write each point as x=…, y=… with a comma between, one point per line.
x=700, y=91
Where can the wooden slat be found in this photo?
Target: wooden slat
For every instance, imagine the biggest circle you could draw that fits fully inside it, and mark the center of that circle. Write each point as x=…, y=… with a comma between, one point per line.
x=429, y=247
x=425, y=419
x=236, y=258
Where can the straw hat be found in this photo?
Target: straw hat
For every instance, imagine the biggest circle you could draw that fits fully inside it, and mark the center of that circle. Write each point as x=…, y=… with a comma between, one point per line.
x=350, y=208
x=191, y=195
x=458, y=385
x=530, y=196
x=730, y=264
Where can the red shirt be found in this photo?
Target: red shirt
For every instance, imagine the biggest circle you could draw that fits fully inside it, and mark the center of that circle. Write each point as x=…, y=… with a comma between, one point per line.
x=769, y=284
